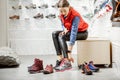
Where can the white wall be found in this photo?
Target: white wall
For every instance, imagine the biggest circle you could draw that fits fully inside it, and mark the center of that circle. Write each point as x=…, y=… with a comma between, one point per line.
x=115, y=39
x=3, y=25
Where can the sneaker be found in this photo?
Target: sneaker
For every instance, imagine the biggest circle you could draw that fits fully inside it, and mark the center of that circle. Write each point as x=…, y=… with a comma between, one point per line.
x=86, y=70
x=31, y=6
x=17, y=7
x=51, y=16
x=43, y=6
x=57, y=64
x=38, y=16
x=64, y=65
x=48, y=69
x=37, y=67
x=55, y=5
x=92, y=67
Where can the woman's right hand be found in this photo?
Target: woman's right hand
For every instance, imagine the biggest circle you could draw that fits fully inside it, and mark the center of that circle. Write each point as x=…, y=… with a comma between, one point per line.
x=64, y=32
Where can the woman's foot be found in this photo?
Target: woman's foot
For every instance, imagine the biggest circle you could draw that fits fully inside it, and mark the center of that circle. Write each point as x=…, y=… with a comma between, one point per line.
x=70, y=57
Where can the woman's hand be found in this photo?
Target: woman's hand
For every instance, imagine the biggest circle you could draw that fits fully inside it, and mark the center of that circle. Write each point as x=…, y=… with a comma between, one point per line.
x=64, y=32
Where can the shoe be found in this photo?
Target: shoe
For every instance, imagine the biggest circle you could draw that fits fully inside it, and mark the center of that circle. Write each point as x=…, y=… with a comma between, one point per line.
x=38, y=16
x=33, y=6
x=37, y=67
x=51, y=16
x=116, y=15
x=48, y=69
x=64, y=65
x=55, y=5
x=108, y=8
x=43, y=6
x=14, y=17
x=86, y=70
x=17, y=7
x=57, y=64
x=92, y=67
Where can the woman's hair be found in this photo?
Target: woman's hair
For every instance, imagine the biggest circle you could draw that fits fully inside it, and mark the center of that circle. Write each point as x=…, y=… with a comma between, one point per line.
x=63, y=3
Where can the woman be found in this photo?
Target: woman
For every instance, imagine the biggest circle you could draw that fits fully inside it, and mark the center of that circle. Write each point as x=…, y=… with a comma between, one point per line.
x=74, y=28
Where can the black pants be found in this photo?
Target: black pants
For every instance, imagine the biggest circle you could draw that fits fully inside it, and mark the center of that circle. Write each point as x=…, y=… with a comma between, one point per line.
x=60, y=41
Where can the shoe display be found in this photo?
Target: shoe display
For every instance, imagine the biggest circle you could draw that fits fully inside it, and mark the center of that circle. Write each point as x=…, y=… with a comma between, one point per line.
x=64, y=65
x=86, y=70
x=92, y=67
x=51, y=16
x=43, y=6
x=48, y=69
x=38, y=16
x=37, y=67
x=14, y=17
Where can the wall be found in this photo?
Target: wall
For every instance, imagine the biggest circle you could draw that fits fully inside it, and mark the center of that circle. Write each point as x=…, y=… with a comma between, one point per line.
x=3, y=25
x=115, y=39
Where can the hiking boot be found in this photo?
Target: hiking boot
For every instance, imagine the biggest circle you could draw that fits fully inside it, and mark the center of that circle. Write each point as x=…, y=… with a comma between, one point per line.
x=38, y=16
x=92, y=67
x=57, y=64
x=14, y=17
x=37, y=67
x=86, y=70
x=48, y=69
x=64, y=65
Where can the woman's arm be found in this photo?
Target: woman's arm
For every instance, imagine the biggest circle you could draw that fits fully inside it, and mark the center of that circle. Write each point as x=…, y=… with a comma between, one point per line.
x=74, y=31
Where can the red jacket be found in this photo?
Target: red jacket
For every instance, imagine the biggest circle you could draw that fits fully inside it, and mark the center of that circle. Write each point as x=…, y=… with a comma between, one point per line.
x=68, y=20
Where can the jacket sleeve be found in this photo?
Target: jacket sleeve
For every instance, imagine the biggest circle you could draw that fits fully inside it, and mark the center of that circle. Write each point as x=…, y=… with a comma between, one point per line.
x=74, y=30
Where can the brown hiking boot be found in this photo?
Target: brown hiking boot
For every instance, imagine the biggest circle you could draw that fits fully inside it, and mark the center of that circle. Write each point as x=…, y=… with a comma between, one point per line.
x=14, y=17
x=37, y=67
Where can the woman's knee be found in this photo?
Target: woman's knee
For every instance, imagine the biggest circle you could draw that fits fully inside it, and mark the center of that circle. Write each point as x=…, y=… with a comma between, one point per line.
x=55, y=33
x=61, y=36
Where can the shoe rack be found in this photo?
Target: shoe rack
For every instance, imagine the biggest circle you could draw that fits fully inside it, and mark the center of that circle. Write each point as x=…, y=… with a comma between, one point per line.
x=31, y=11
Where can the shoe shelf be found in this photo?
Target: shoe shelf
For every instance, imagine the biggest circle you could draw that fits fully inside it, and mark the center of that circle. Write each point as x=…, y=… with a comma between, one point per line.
x=27, y=18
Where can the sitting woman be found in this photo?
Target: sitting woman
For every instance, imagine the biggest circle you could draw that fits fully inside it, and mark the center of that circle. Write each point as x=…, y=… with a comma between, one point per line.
x=74, y=28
